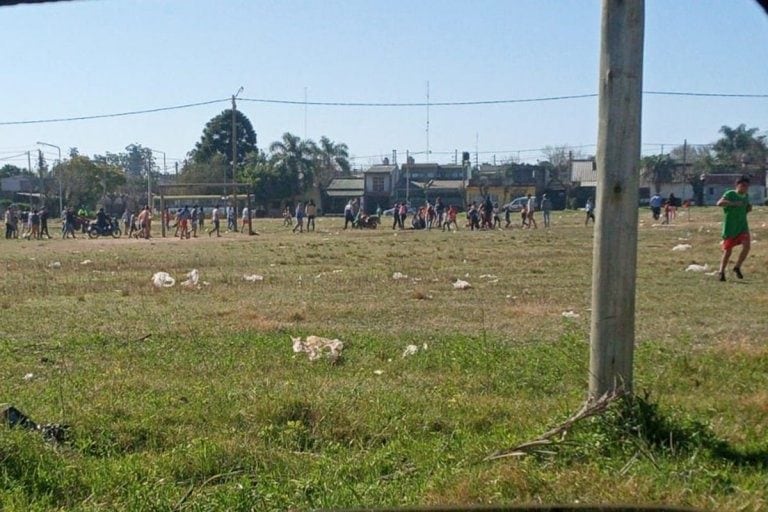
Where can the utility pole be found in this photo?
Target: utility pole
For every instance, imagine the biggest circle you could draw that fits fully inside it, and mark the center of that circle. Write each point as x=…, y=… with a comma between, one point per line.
x=477, y=150
x=58, y=171
x=612, y=335
x=407, y=176
x=427, y=159
x=234, y=152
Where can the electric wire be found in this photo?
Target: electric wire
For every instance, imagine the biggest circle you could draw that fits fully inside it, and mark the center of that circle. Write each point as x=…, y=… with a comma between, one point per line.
x=371, y=104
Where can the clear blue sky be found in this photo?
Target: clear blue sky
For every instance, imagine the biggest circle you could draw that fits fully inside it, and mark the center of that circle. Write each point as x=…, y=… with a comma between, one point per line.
x=108, y=56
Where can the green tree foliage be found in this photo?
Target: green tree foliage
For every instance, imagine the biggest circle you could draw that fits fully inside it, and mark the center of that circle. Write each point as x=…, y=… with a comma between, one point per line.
x=658, y=169
x=739, y=148
x=9, y=170
x=270, y=186
x=330, y=159
x=217, y=140
x=294, y=159
x=215, y=170
x=136, y=160
x=85, y=181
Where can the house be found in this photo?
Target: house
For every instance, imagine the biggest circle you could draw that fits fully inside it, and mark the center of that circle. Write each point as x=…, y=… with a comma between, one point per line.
x=19, y=183
x=418, y=183
x=505, y=182
x=379, y=184
x=340, y=191
x=715, y=186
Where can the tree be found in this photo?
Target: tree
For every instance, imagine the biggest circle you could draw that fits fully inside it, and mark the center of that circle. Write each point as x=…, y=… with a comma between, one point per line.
x=658, y=169
x=294, y=158
x=269, y=184
x=739, y=148
x=9, y=170
x=86, y=181
x=215, y=170
x=136, y=161
x=217, y=140
x=331, y=159
x=692, y=163
x=558, y=159
x=560, y=156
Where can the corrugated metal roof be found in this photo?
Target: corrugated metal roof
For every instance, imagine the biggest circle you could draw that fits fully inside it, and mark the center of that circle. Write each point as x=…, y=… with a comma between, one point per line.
x=381, y=168
x=346, y=184
x=344, y=193
x=441, y=184
x=583, y=171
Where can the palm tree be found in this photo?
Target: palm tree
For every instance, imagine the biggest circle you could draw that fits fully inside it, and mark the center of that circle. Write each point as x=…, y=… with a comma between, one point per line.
x=739, y=147
x=658, y=169
x=331, y=159
x=294, y=157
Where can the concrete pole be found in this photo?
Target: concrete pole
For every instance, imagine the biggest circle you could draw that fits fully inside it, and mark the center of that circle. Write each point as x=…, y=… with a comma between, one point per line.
x=614, y=265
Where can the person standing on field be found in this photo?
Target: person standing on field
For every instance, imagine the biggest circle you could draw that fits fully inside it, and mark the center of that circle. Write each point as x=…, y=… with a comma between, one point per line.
x=530, y=209
x=735, y=204
x=311, y=212
x=546, y=207
x=215, y=221
x=589, y=208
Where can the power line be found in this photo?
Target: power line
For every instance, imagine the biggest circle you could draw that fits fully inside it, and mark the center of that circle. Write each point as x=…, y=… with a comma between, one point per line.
x=14, y=156
x=118, y=114
x=705, y=94
x=419, y=103
x=374, y=104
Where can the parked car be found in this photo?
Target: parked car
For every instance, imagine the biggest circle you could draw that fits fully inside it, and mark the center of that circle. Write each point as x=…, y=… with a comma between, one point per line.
x=516, y=204
x=391, y=211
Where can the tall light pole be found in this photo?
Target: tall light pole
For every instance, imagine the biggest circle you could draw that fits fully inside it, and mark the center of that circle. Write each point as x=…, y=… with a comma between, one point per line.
x=58, y=166
x=149, y=172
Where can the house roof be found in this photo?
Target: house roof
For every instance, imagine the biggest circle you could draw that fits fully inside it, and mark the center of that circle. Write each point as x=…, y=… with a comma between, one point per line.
x=346, y=184
x=381, y=169
x=730, y=178
x=441, y=184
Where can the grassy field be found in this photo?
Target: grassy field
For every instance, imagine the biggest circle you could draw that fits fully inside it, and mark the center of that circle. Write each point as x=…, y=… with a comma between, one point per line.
x=192, y=398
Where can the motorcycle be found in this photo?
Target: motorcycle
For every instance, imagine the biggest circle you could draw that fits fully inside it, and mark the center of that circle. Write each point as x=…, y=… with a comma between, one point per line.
x=112, y=227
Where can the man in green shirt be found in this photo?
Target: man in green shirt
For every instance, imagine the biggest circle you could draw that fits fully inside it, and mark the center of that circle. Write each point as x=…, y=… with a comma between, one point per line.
x=735, y=204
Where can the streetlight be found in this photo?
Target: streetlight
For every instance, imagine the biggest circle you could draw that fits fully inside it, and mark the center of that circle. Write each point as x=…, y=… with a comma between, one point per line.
x=58, y=165
x=149, y=171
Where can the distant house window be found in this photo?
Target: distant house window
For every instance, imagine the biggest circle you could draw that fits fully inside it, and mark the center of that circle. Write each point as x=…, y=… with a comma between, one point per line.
x=378, y=184
x=711, y=191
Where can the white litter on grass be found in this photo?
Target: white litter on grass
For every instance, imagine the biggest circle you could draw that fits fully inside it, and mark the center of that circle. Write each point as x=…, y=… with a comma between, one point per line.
x=570, y=314
x=693, y=267
x=337, y=271
x=378, y=372
x=29, y=376
x=461, y=285
x=399, y=275
x=413, y=349
x=193, y=276
x=163, y=280
x=314, y=346
x=713, y=273
x=410, y=350
x=86, y=262
x=488, y=276
x=55, y=264
x=682, y=247
x=252, y=278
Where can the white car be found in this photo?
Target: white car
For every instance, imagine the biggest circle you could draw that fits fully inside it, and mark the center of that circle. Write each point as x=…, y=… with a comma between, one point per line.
x=516, y=204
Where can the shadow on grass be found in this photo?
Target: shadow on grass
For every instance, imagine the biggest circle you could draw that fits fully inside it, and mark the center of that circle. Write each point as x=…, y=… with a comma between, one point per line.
x=636, y=421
